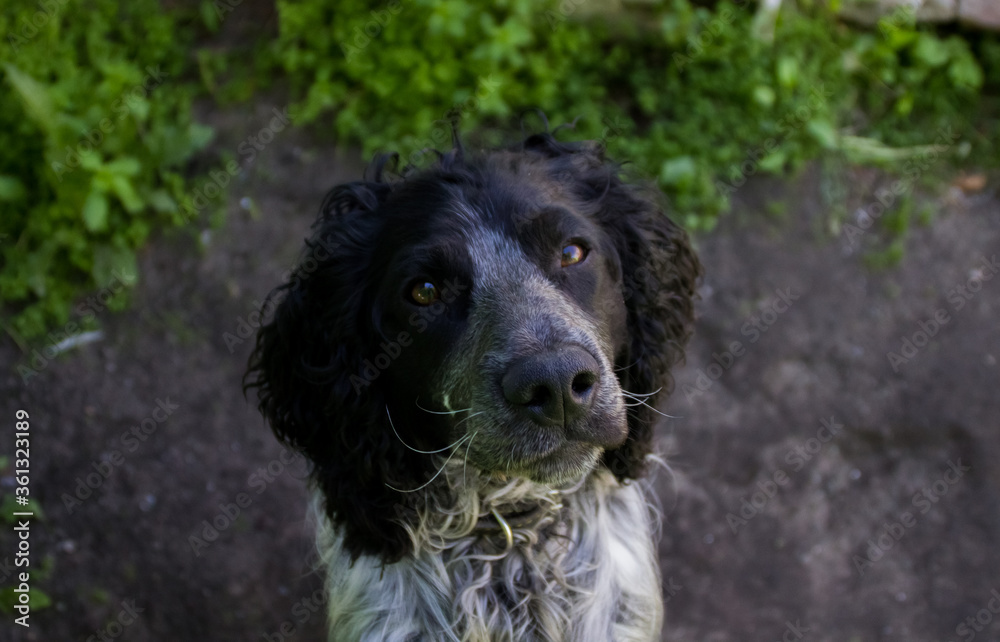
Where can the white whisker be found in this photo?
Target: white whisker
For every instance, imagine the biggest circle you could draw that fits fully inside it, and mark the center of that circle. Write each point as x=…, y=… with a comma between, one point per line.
x=440, y=470
x=640, y=394
x=475, y=414
x=422, y=452
x=624, y=368
x=465, y=464
x=441, y=412
x=640, y=402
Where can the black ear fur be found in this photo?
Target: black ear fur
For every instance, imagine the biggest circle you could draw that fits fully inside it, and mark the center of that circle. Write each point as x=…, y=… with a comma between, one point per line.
x=302, y=368
x=659, y=272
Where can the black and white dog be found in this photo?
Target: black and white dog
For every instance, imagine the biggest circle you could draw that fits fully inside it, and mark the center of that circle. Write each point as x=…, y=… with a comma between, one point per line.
x=470, y=356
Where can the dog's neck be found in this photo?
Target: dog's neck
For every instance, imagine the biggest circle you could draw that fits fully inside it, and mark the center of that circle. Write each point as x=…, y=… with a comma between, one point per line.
x=496, y=524
x=501, y=511
x=581, y=566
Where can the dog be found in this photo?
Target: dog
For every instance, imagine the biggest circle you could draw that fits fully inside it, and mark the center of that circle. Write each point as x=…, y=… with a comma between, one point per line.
x=470, y=356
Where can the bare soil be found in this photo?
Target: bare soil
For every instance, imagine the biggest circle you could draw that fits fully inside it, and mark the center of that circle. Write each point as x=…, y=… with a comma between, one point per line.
x=907, y=458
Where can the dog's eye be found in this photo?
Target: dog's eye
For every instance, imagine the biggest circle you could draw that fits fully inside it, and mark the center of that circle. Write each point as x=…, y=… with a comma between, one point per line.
x=424, y=293
x=573, y=254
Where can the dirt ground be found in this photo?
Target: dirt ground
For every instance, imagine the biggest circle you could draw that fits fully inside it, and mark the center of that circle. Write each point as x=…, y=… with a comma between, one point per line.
x=798, y=446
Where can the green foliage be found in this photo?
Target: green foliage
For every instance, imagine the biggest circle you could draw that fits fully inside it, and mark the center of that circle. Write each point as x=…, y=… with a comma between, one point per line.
x=699, y=98
x=37, y=598
x=94, y=129
x=95, y=123
x=9, y=506
x=919, y=82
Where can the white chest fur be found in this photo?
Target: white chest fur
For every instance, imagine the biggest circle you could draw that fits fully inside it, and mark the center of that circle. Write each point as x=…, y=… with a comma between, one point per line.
x=585, y=573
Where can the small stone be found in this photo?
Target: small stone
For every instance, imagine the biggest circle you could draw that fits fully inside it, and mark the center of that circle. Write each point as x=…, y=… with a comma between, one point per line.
x=971, y=183
x=147, y=503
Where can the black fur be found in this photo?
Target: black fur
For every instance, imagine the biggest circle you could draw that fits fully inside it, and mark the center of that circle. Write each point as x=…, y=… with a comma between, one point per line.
x=308, y=357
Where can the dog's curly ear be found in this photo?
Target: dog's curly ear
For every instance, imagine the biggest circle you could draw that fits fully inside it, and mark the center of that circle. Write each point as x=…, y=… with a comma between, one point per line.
x=308, y=373
x=660, y=271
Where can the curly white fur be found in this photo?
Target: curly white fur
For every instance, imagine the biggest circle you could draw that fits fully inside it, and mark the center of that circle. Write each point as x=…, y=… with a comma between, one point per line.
x=586, y=571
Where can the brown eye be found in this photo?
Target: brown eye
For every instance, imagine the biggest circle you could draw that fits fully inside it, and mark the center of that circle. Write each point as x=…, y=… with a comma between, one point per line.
x=424, y=293
x=572, y=254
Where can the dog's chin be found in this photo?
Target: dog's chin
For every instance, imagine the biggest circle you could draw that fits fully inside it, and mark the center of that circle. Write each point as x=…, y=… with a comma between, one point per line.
x=567, y=464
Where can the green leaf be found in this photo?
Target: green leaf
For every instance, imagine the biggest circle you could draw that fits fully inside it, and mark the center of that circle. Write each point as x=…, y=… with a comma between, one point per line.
x=209, y=15
x=775, y=161
x=788, y=71
x=9, y=506
x=823, y=132
x=904, y=105
x=161, y=201
x=95, y=211
x=763, y=96
x=966, y=73
x=35, y=97
x=678, y=171
x=37, y=600
x=123, y=188
x=90, y=159
x=930, y=50
x=112, y=263
x=125, y=165
x=11, y=189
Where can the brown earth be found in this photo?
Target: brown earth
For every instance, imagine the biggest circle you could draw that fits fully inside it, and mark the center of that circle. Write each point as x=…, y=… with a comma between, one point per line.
x=792, y=562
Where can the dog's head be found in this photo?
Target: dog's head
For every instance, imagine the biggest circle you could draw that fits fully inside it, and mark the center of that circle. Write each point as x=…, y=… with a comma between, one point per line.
x=521, y=309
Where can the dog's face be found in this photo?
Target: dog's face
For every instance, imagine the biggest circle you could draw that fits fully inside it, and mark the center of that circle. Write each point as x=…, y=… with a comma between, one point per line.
x=509, y=298
x=498, y=309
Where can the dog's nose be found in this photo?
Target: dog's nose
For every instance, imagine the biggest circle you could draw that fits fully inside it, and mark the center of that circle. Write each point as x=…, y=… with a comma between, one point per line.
x=552, y=388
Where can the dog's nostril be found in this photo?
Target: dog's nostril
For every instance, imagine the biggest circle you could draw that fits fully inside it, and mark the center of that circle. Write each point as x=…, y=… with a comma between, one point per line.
x=552, y=388
x=539, y=397
x=583, y=382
